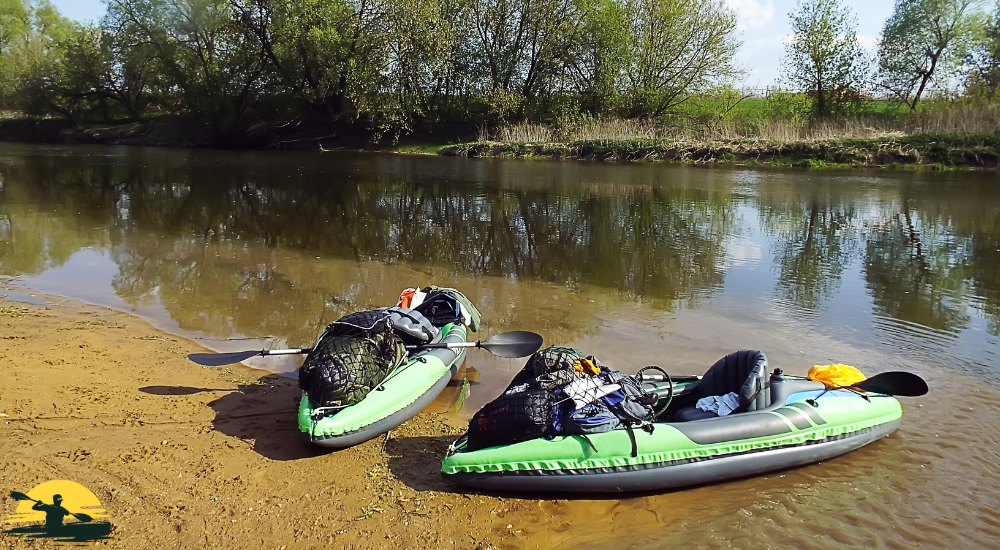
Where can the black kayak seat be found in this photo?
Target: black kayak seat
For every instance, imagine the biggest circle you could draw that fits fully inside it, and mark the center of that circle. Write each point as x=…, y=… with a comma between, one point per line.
x=743, y=372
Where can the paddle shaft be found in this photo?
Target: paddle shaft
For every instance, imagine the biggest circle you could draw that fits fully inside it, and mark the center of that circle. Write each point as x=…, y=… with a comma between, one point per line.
x=449, y=345
x=508, y=344
x=302, y=351
x=660, y=378
x=291, y=351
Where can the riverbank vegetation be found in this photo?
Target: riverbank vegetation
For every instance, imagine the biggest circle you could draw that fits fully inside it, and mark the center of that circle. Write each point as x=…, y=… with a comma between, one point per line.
x=309, y=73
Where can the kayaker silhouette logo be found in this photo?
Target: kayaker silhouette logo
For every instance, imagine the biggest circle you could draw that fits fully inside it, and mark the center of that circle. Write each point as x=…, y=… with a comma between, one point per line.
x=60, y=510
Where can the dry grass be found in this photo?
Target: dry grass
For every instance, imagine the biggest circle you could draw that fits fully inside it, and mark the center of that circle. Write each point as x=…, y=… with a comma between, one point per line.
x=946, y=117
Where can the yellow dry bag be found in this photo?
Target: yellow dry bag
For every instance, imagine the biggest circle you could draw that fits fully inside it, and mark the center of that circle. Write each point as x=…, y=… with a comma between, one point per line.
x=835, y=375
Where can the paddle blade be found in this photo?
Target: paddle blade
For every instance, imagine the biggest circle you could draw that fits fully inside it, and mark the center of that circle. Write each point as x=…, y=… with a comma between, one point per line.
x=83, y=517
x=518, y=343
x=19, y=496
x=905, y=384
x=219, y=359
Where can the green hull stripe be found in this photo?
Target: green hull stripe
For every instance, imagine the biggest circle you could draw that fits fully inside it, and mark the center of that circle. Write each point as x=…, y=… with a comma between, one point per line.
x=666, y=444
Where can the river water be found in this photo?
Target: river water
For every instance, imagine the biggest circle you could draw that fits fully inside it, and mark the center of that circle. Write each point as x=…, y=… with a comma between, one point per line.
x=638, y=264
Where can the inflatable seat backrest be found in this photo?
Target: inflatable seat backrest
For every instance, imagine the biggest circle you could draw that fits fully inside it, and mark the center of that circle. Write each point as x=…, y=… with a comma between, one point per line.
x=743, y=372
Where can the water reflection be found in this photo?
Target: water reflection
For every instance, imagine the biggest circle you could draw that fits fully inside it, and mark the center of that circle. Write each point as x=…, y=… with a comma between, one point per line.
x=261, y=245
x=639, y=264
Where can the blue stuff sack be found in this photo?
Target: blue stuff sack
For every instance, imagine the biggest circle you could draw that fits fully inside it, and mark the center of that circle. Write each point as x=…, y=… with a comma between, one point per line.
x=591, y=419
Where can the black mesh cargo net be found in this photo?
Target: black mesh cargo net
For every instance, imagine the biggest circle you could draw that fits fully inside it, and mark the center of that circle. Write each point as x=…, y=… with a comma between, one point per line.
x=560, y=392
x=527, y=409
x=355, y=354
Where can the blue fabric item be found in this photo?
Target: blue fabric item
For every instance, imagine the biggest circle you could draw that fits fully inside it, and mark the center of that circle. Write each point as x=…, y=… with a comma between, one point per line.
x=613, y=398
x=719, y=404
x=557, y=415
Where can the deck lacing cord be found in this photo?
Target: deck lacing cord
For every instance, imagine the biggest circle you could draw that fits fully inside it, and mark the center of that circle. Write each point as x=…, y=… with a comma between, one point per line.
x=862, y=393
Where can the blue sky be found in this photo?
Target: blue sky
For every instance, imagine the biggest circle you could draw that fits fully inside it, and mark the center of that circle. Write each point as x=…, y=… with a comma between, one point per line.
x=763, y=23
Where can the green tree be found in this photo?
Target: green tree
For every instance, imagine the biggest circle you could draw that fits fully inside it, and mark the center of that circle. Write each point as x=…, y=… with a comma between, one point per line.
x=427, y=61
x=923, y=41
x=675, y=48
x=521, y=46
x=595, y=60
x=824, y=57
x=983, y=58
x=203, y=66
x=32, y=35
x=14, y=24
x=329, y=55
x=644, y=57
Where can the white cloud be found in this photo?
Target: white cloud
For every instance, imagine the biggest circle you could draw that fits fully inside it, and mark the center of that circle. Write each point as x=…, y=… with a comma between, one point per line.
x=751, y=14
x=742, y=251
x=869, y=41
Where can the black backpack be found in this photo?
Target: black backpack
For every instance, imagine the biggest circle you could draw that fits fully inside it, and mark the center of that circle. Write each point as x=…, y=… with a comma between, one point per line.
x=537, y=403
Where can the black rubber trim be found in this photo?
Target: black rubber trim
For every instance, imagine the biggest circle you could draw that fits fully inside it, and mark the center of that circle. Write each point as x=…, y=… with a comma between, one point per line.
x=665, y=464
x=733, y=427
x=798, y=419
x=809, y=410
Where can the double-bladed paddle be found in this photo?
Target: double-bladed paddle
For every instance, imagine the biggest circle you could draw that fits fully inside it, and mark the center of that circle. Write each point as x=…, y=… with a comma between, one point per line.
x=518, y=343
x=21, y=496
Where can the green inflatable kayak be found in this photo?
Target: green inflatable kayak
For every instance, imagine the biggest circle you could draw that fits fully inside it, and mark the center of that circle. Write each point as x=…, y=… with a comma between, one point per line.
x=407, y=391
x=786, y=423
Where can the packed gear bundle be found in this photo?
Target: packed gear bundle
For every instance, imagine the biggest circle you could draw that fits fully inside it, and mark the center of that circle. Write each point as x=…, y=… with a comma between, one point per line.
x=561, y=392
x=355, y=354
x=358, y=352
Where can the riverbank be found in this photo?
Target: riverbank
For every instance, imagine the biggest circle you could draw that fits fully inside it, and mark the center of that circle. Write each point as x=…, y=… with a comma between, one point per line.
x=934, y=151
x=921, y=151
x=187, y=456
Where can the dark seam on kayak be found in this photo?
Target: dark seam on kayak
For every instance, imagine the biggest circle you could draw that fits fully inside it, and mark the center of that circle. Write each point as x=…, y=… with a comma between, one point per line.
x=798, y=419
x=809, y=410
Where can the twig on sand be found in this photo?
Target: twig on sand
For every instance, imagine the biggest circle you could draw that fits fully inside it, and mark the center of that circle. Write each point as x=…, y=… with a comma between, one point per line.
x=387, y=434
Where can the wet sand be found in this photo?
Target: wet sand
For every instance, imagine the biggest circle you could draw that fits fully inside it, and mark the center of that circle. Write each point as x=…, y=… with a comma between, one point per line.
x=187, y=456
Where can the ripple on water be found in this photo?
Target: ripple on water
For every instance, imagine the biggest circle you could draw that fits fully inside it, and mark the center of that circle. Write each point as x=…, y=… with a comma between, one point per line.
x=889, y=494
x=931, y=346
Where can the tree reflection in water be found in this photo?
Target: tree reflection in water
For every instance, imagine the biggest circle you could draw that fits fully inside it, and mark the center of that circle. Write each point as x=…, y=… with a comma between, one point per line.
x=228, y=242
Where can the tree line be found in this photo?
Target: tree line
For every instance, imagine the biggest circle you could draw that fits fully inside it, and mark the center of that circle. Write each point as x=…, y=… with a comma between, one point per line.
x=393, y=67
x=390, y=65
x=925, y=45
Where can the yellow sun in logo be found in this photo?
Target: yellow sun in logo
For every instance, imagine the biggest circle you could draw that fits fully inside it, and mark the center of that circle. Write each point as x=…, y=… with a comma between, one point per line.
x=76, y=499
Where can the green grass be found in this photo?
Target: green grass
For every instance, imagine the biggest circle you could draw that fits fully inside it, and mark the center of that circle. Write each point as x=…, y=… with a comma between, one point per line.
x=418, y=148
x=932, y=151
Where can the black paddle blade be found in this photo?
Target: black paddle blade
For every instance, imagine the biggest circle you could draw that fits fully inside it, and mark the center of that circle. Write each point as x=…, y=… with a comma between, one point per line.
x=518, y=343
x=219, y=359
x=901, y=383
x=83, y=517
x=19, y=496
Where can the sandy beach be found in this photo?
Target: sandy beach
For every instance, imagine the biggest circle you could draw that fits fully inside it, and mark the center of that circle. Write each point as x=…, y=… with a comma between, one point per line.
x=187, y=457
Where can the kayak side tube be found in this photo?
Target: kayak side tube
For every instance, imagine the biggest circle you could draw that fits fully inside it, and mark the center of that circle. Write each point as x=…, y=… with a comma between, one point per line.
x=800, y=430
x=407, y=391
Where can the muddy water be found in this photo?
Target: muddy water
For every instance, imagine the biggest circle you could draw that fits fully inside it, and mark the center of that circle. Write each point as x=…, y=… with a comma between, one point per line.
x=638, y=264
